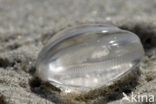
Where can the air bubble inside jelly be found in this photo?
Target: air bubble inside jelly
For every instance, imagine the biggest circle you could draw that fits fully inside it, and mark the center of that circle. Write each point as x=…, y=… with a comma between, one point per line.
x=88, y=56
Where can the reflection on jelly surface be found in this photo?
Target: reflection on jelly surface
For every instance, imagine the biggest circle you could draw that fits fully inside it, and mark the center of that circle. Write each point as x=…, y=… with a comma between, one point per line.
x=88, y=56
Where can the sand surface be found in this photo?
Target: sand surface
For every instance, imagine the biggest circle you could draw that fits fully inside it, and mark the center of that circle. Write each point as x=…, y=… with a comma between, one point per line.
x=26, y=25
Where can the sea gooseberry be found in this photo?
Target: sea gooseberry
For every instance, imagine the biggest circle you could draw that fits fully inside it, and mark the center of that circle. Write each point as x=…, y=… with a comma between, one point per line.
x=88, y=56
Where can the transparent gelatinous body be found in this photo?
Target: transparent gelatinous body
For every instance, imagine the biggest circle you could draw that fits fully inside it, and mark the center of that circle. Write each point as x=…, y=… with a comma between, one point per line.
x=88, y=56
